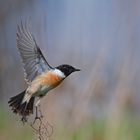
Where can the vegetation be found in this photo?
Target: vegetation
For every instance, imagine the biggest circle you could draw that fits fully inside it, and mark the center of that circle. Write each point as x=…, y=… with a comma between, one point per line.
x=10, y=129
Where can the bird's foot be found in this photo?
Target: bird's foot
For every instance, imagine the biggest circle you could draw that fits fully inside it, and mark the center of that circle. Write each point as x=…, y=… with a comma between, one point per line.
x=35, y=119
x=38, y=116
x=24, y=119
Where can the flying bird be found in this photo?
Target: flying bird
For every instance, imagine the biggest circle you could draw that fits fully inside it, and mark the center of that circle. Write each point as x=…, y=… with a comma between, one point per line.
x=40, y=76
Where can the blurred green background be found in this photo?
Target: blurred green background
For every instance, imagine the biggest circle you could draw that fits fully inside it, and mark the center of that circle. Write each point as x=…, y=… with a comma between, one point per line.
x=102, y=102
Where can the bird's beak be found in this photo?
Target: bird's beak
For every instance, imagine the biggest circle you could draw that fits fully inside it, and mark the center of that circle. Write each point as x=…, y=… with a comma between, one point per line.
x=77, y=70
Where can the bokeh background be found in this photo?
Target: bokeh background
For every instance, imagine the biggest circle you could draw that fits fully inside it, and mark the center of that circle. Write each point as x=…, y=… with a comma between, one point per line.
x=102, y=102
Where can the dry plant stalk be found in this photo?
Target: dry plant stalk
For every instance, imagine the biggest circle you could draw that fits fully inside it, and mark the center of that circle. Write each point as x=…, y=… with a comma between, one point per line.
x=43, y=130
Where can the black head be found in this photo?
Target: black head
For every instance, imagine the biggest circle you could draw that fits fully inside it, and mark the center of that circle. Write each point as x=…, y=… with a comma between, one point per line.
x=67, y=69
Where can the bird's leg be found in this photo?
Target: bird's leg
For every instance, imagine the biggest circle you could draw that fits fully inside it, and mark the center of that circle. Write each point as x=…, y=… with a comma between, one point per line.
x=36, y=116
x=41, y=115
x=40, y=128
x=36, y=109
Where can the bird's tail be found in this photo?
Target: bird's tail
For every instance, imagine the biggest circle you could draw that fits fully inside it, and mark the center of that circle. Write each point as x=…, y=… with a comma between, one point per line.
x=19, y=107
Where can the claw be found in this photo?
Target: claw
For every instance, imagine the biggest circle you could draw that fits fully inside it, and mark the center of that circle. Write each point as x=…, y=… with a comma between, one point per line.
x=36, y=118
x=24, y=119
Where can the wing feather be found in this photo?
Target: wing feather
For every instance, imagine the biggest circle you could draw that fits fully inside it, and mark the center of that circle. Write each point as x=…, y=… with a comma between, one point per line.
x=34, y=62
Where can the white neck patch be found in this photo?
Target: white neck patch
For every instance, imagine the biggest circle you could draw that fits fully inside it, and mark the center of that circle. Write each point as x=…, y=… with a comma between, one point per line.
x=59, y=73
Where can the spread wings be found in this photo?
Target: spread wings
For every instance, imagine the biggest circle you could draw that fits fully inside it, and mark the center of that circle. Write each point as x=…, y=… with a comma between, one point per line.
x=34, y=62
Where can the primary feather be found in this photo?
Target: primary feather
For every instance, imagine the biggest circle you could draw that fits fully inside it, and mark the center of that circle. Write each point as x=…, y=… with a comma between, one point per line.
x=34, y=62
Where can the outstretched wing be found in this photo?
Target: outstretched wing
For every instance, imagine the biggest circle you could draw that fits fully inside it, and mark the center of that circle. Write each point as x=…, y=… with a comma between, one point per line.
x=34, y=62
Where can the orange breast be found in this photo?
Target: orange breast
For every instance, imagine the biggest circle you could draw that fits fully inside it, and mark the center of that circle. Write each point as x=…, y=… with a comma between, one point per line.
x=51, y=79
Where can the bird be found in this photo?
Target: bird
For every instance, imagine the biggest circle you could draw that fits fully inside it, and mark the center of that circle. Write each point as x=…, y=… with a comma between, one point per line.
x=39, y=75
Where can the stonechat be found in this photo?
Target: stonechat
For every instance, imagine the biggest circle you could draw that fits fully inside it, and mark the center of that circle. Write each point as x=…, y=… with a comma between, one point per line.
x=39, y=75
